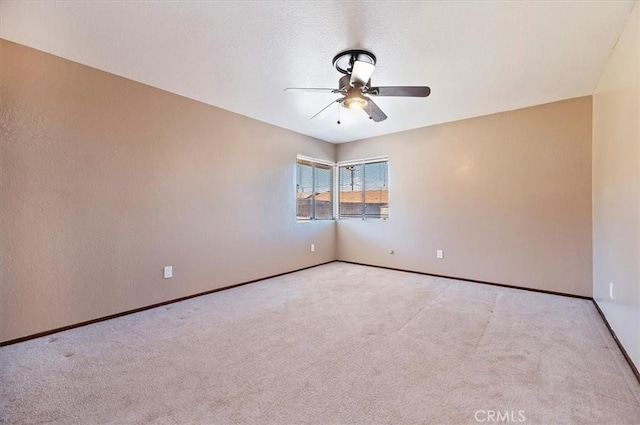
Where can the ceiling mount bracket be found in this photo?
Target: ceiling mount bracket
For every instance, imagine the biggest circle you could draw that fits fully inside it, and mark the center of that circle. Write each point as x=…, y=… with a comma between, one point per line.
x=343, y=61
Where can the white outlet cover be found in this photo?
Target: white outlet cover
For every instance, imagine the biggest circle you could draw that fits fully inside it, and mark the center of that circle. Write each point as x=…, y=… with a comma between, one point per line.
x=313, y=248
x=168, y=272
x=439, y=254
x=611, y=290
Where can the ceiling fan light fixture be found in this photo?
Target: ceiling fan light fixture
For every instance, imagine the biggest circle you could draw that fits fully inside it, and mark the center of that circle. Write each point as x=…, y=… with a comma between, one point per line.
x=355, y=102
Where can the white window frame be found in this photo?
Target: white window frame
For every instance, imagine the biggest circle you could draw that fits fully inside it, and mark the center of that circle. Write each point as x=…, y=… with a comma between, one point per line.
x=336, y=183
x=336, y=201
x=333, y=188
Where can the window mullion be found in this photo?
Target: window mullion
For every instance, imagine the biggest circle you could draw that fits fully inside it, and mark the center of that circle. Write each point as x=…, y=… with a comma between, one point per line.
x=336, y=193
x=364, y=193
x=313, y=191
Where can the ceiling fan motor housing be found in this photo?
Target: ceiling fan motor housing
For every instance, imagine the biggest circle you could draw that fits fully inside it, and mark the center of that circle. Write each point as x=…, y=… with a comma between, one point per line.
x=343, y=83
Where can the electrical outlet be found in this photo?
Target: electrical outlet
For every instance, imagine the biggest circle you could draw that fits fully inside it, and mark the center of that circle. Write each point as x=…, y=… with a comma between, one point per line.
x=440, y=254
x=313, y=248
x=168, y=272
x=611, y=291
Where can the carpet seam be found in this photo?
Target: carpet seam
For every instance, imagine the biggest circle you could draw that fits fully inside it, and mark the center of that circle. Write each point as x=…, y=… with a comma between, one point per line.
x=486, y=326
x=424, y=307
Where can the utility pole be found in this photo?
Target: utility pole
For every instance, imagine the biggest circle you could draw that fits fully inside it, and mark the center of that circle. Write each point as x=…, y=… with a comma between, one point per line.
x=352, y=169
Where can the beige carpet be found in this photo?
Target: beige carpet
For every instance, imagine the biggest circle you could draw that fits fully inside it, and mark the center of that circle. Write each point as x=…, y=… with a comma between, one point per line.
x=338, y=343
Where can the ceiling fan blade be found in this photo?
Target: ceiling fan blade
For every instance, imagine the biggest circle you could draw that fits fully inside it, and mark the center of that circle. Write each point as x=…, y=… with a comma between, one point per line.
x=326, y=107
x=361, y=73
x=409, y=91
x=374, y=111
x=311, y=90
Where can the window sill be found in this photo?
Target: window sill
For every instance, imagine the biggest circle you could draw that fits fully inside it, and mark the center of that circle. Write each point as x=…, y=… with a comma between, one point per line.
x=363, y=218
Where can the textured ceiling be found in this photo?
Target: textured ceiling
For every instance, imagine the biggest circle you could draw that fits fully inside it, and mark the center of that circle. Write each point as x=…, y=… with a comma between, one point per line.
x=478, y=57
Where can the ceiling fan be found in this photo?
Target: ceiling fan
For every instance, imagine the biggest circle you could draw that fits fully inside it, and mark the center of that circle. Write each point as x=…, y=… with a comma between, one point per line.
x=355, y=86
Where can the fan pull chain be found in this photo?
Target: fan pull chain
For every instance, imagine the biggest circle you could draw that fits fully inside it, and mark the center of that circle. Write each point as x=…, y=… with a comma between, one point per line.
x=338, y=114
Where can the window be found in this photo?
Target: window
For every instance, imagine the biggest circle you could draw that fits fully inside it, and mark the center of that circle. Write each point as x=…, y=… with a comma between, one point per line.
x=314, y=190
x=364, y=189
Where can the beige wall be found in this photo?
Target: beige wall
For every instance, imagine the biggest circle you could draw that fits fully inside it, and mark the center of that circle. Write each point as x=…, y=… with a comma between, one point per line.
x=104, y=181
x=506, y=196
x=616, y=188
